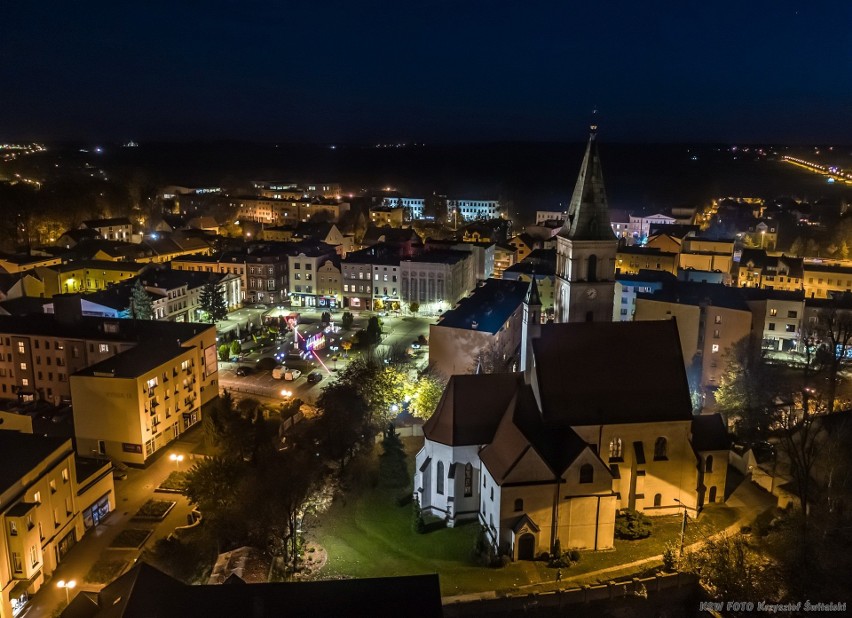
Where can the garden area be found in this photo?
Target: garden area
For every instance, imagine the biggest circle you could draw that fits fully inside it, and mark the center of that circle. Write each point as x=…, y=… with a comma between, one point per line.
x=130, y=538
x=105, y=570
x=154, y=510
x=368, y=532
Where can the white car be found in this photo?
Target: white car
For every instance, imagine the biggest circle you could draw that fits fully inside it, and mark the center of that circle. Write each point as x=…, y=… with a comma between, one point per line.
x=292, y=374
x=278, y=372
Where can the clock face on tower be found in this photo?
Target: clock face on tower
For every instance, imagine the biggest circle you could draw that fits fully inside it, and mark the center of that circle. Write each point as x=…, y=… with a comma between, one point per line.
x=591, y=293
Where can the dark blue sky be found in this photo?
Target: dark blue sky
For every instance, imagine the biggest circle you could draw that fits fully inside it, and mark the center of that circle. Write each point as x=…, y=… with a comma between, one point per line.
x=428, y=70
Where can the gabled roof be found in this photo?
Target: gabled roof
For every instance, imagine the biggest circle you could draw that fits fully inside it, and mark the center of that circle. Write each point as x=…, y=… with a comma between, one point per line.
x=709, y=433
x=471, y=408
x=577, y=386
x=588, y=216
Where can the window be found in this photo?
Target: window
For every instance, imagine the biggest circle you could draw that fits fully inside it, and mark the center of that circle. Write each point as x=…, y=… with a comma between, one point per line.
x=21, y=349
x=716, y=334
x=718, y=319
x=790, y=328
x=708, y=464
x=468, y=480
x=792, y=314
x=25, y=382
x=773, y=312
x=519, y=505
x=492, y=494
x=13, y=528
x=772, y=326
x=104, y=347
x=715, y=348
x=660, y=449
x=16, y=562
x=37, y=497
x=52, y=486
x=65, y=475
x=23, y=366
x=658, y=499
x=615, y=446
x=587, y=473
x=440, y=480
x=33, y=556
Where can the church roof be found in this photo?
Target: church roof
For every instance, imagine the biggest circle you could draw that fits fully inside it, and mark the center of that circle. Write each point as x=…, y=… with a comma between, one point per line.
x=471, y=408
x=611, y=373
x=532, y=297
x=588, y=214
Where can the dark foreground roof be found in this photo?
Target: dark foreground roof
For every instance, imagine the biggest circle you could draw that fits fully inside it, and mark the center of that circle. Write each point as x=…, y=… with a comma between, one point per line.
x=611, y=373
x=145, y=592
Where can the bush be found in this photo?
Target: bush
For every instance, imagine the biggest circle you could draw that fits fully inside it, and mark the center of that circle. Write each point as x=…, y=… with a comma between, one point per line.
x=404, y=499
x=543, y=556
x=347, y=320
x=224, y=350
x=632, y=525
x=574, y=555
x=419, y=524
x=670, y=557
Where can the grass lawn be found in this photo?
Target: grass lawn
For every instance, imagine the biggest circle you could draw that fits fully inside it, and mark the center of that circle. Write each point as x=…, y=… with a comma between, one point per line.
x=104, y=571
x=131, y=538
x=366, y=534
x=154, y=509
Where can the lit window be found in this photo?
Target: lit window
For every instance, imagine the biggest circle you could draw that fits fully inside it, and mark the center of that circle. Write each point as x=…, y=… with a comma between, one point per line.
x=21, y=349
x=23, y=366
x=715, y=348
x=104, y=347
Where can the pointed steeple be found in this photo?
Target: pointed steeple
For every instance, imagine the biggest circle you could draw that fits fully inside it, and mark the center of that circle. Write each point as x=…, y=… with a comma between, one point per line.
x=588, y=214
x=532, y=297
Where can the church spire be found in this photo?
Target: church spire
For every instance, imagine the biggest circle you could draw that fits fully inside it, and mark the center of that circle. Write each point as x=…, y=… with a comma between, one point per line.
x=532, y=297
x=588, y=214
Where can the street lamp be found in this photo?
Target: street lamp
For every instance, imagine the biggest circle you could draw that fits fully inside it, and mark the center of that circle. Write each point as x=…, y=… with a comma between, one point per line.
x=177, y=459
x=68, y=585
x=682, y=527
x=286, y=393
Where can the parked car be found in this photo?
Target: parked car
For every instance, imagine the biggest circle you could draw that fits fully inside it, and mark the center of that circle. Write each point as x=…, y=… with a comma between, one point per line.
x=314, y=377
x=292, y=374
x=278, y=372
x=243, y=371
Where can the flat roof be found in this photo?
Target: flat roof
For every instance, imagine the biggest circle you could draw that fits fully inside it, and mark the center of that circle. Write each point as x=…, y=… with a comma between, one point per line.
x=20, y=453
x=488, y=308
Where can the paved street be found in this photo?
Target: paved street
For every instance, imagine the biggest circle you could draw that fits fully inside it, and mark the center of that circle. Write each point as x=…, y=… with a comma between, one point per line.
x=131, y=493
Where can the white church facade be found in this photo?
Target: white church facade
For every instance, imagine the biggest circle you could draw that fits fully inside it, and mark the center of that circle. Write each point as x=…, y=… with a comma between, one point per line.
x=588, y=426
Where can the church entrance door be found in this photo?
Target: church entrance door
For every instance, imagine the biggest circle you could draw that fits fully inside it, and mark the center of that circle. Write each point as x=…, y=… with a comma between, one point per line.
x=526, y=547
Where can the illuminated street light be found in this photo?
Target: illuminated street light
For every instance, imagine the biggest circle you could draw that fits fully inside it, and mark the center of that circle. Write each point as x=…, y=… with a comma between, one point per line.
x=68, y=585
x=177, y=459
x=286, y=393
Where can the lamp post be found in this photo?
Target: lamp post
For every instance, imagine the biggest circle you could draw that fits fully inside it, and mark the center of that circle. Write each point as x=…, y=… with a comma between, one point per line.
x=682, y=527
x=68, y=585
x=177, y=459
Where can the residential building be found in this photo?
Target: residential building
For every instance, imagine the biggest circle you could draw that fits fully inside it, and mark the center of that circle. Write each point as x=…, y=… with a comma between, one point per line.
x=129, y=406
x=283, y=212
x=303, y=263
x=822, y=280
x=543, y=216
x=710, y=320
x=505, y=257
x=330, y=284
x=706, y=254
x=117, y=228
x=762, y=234
x=484, y=327
x=413, y=207
x=387, y=216
x=39, y=353
x=371, y=278
x=628, y=286
x=777, y=317
x=541, y=264
x=20, y=263
x=483, y=253
x=757, y=269
x=44, y=493
x=631, y=259
x=471, y=210
x=436, y=280
x=86, y=276
x=641, y=224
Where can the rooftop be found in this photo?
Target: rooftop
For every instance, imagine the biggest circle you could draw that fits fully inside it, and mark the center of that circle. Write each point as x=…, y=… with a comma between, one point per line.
x=699, y=293
x=46, y=325
x=488, y=308
x=20, y=453
x=135, y=362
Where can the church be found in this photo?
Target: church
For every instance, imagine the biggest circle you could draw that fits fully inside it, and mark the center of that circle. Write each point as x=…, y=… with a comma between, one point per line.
x=599, y=418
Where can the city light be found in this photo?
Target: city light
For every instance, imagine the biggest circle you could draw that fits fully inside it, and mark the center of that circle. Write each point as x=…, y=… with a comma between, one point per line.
x=67, y=585
x=177, y=459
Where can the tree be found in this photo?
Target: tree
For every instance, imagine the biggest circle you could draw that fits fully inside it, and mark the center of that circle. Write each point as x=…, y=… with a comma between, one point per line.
x=141, y=305
x=347, y=320
x=798, y=247
x=729, y=568
x=346, y=345
x=344, y=422
x=236, y=348
x=212, y=302
x=212, y=486
x=834, y=333
x=424, y=394
x=374, y=331
x=748, y=389
x=414, y=307
x=224, y=352
x=812, y=248
x=326, y=317
x=844, y=250
x=393, y=471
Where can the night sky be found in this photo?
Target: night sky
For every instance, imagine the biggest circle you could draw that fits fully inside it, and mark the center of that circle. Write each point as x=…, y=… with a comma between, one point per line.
x=399, y=70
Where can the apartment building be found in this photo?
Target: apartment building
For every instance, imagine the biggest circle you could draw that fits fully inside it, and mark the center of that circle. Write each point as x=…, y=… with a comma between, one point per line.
x=629, y=260
x=472, y=210
x=48, y=499
x=40, y=353
x=387, y=216
x=777, y=317
x=287, y=212
x=118, y=228
x=822, y=280
x=131, y=405
x=436, y=280
x=87, y=276
x=371, y=278
x=757, y=269
x=303, y=263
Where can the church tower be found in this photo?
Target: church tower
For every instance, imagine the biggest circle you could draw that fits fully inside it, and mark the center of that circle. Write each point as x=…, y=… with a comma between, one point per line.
x=586, y=248
x=531, y=327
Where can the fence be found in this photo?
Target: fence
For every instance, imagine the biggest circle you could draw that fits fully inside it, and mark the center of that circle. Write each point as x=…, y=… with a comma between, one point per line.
x=561, y=599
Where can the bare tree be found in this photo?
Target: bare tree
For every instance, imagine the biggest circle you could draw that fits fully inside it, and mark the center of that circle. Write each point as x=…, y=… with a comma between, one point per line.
x=833, y=331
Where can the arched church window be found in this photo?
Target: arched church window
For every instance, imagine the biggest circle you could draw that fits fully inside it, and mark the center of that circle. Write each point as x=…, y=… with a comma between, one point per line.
x=592, y=268
x=587, y=473
x=468, y=480
x=440, y=483
x=615, y=446
x=658, y=499
x=708, y=464
x=660, y=447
